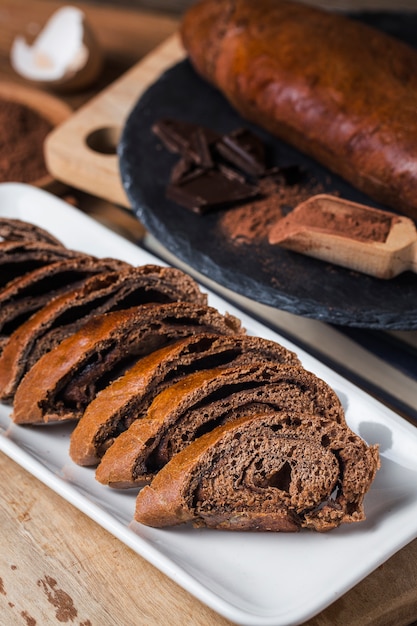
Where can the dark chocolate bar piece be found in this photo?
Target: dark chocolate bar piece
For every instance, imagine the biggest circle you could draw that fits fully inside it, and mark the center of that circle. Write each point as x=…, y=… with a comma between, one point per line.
x=200, y=145
x=174, y=134
x=210, y=189
x=218, y=171
x=244, y=150
x=184, y=137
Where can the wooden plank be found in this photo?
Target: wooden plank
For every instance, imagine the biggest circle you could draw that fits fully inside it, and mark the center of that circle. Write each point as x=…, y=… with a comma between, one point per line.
x=58, y=566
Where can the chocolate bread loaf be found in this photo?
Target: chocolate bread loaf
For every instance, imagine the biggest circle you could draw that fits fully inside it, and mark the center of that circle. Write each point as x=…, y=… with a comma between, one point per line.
x=128, y=398
x=200, y=402
x=25, y=295
x=12, y=229
x=64, y=315
x=62, y=382
x=333, y=87
x=268, y=472
x=18, y=258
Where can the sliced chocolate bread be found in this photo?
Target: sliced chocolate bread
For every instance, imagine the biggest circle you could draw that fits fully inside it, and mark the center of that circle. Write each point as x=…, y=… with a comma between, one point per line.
x=21, y=257
x=268, y=472
x=200, y=402
x=128, y=398
x=25, y=295
x=12, y=229
x=65, y=314
x=65, y=380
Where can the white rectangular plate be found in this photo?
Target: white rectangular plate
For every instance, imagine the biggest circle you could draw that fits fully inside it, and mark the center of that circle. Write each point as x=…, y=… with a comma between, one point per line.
x=262, y=579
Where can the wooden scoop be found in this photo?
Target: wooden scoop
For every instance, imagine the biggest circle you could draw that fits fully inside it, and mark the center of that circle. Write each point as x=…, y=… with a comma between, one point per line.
x=378, y=243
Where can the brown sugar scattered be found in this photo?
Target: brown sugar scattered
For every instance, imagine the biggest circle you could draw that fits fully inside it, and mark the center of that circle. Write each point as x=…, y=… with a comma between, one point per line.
x=22, y=135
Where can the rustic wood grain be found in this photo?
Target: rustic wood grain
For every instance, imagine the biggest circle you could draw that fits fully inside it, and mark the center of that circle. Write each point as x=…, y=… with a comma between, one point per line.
x=59, y=567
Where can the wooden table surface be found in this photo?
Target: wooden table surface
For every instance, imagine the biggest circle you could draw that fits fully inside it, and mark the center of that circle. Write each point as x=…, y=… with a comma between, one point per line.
x=59, y=567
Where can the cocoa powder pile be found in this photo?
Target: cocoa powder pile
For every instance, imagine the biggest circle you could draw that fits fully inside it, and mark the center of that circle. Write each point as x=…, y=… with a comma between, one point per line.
x=250, y=223
x=23, y=132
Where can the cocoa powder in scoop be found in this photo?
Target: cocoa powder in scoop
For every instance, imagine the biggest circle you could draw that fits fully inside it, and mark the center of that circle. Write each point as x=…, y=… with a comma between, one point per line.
x=357, y=224
x=22, y=135
x=362, y=224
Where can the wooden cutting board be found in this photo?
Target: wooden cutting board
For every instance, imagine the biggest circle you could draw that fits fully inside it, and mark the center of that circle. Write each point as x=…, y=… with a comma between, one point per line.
x=82, y=151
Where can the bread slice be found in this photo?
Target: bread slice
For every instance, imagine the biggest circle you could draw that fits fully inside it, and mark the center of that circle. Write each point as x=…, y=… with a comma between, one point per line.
x=64, y=315
x=12, y=229
x=27, y=294
x=127, y=399
x=17, y=258
x=264, y=473
x=200, y=402
x=65, y=380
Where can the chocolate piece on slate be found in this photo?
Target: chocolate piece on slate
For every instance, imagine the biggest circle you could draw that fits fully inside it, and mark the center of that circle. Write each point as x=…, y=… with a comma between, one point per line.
x=210, y=189
x=184, y=168
x=180, y=137
x=231, y=173
x=218, y=171
x=244, y=150
x=174, y=134
x=200, y=146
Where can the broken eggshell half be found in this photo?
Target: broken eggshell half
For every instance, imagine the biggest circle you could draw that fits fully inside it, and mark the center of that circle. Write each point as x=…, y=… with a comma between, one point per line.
x=64, y=56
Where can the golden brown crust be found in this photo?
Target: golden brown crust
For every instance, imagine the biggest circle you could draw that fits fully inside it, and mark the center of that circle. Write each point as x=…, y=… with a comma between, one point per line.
x=204, y=399
x=61, y=383
x=128, y=398
x=310, y=77
x=18, y=258
x=83, y=446
x=29, y=293
x=115, y=285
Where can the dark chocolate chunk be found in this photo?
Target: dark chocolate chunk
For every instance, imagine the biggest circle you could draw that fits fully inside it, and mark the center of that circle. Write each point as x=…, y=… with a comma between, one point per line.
x=200, y=144
x=210, y=189
x=231, y=173
x=244, y=150
x=181, y=137
x=174, y=134
x=217, y=172
x=182, y=169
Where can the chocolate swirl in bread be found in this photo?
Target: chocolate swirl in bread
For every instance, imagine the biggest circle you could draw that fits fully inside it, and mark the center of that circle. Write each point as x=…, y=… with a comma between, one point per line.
x=200, y=402
x=12, y=229
x=331, y=86
x=18, y=258
x=268, y=472
x=63, y=382
x=128, y=398
x=64, y=315
x=25, y=295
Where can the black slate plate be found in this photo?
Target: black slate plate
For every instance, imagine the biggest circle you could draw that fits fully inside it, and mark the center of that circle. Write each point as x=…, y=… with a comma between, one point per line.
x=267, y=274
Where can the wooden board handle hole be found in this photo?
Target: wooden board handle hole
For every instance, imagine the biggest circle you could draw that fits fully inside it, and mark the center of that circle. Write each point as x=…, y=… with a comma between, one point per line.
x=104, y=140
